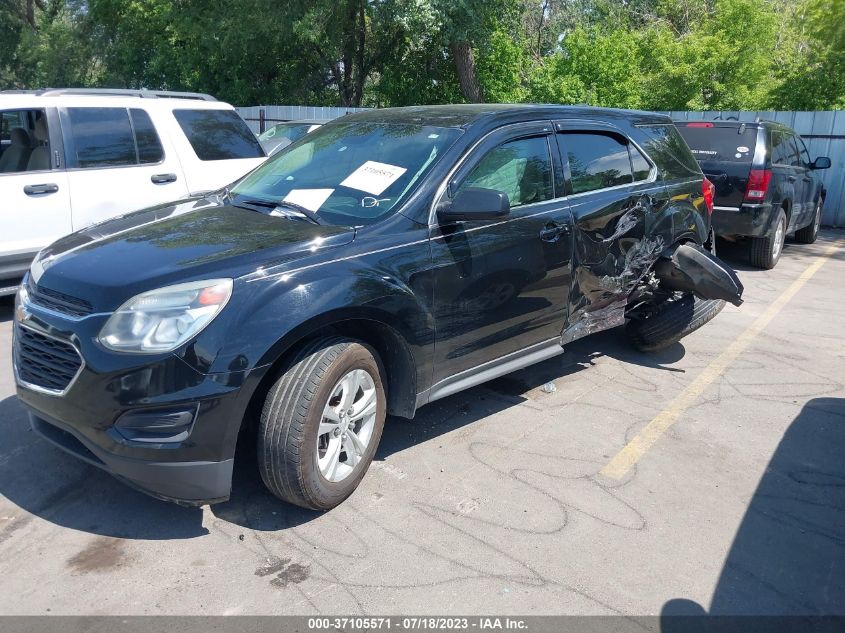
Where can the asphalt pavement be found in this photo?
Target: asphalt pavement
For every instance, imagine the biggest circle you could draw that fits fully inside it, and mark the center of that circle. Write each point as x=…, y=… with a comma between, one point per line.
x=707, y=478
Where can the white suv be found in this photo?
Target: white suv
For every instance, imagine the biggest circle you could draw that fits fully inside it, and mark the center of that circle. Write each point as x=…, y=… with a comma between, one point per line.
x=73, y=157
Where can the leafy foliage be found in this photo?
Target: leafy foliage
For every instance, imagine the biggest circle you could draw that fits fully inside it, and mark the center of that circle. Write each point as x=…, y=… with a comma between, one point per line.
x=651, y=54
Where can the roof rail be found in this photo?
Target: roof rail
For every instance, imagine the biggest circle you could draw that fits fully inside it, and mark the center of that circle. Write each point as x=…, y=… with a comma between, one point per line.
x=114, y=92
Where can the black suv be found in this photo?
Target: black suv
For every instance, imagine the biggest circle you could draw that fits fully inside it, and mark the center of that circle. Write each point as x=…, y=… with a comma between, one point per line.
x=386, y=260
x=765, y=186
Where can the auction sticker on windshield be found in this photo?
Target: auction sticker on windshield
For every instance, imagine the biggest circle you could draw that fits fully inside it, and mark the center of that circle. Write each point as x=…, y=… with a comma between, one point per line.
x=311, y=199
x=373, y=177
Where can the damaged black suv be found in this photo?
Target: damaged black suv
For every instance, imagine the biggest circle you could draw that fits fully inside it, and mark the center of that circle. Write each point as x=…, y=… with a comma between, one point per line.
x=388, y=259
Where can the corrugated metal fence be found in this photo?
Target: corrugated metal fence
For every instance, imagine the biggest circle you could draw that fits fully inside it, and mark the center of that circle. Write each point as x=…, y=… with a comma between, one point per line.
x=260, y=118
x=824, y=133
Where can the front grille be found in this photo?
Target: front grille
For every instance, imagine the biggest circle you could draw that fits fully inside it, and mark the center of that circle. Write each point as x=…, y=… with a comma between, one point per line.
x=58, y=301
x=45, y=362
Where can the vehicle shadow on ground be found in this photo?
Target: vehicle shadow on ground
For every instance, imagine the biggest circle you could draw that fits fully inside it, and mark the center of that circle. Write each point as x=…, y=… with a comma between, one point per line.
x=46, y=482
x=788, y=555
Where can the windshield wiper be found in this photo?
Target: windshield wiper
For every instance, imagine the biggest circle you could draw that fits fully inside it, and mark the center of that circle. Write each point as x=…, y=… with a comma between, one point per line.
x=308, y=214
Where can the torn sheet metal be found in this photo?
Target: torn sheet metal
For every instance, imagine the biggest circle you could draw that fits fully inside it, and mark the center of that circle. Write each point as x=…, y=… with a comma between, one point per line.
x=626, y=223
x=590, y=322
x=602, y=300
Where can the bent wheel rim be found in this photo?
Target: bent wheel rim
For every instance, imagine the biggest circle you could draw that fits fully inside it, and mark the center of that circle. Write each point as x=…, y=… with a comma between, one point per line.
x=347, y=424
x=779, y=235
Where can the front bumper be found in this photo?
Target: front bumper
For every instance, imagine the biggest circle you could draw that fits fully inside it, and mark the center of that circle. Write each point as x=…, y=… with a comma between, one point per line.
x=100, y=416
x=186, y=483
x=751, y=220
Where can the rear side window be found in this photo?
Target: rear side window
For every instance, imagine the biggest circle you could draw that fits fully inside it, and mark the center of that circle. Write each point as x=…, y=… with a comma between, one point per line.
x=596, y=161
x=667, y=148
x=709, y=142
x=218, y=134
x=102, y=137
x=642, y=168
x=149, y=146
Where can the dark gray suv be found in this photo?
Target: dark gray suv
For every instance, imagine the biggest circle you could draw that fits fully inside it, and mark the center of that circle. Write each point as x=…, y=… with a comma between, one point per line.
x=765, y=183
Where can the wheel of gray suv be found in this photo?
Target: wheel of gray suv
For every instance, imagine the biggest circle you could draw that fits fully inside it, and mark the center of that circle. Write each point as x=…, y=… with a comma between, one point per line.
x=809, y=233
x=321, y=423
x=671, y=321
x=765, y=251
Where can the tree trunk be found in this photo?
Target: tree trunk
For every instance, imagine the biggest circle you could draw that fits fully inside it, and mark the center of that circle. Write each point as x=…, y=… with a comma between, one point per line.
x=360, y=55
x=465, y=66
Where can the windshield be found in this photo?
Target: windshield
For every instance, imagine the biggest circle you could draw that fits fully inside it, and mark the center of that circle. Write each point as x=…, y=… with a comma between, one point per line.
x=348, y=173
x=290, y=131
x=711, y=143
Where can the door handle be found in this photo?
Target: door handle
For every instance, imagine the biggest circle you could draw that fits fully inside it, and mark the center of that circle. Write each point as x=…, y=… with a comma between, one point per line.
x=160, y=179
x=38, y=190
x=791, y=178
x=552, y=231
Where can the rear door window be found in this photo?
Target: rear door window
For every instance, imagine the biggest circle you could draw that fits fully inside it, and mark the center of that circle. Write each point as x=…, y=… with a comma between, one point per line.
x=102, y=137
x=149, y=145
x=596, y=160
x=784, y=151
x=710, y=142
x=805, y=155
x=218, y=134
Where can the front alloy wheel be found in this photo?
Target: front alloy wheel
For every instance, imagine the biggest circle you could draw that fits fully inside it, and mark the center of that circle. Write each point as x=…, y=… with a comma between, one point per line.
x=346, y=429
x=322, y=422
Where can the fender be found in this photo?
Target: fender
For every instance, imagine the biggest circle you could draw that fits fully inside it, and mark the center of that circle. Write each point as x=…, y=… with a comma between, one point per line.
x=284, y=310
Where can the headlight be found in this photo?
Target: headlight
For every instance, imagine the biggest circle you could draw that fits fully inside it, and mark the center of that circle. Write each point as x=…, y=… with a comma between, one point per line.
x=161, y=320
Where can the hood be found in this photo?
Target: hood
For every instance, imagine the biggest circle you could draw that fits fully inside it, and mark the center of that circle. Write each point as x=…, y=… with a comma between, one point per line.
x=183, y=241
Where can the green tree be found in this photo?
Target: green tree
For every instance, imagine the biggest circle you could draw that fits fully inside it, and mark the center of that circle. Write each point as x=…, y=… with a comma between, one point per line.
x=813, y=71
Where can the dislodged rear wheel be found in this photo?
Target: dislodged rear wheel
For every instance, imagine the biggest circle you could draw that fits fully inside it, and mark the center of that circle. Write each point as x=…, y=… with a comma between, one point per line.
x=671, y=321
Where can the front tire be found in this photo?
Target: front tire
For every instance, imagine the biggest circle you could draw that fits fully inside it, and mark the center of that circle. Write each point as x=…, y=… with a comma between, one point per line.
x=809, y=233
x=765, y=251
x=671, y=321
x=321, y=423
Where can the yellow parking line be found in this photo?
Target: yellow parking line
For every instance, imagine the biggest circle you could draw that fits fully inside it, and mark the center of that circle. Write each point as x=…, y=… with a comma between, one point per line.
x=622, y=462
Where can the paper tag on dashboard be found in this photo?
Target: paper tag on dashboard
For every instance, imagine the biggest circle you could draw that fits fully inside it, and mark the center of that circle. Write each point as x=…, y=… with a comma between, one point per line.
x=311, y=199
x=373, y=177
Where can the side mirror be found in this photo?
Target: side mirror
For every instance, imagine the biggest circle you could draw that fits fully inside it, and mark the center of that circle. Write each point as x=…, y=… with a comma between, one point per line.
x=475, y=203
x=822, y=162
